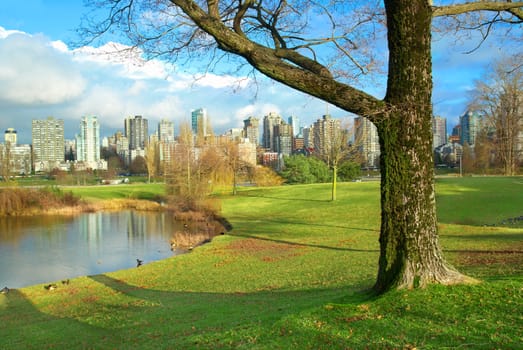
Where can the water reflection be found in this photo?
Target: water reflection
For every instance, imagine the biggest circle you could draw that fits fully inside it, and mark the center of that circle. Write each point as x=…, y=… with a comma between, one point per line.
x=43, y=249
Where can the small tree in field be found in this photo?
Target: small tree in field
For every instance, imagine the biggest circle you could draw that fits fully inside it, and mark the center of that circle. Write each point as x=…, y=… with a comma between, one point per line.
x=337, y=149
x=320, y=48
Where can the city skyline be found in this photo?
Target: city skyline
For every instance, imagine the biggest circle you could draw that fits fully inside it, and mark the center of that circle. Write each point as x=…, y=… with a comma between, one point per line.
x=157, y=127
x=73, y=80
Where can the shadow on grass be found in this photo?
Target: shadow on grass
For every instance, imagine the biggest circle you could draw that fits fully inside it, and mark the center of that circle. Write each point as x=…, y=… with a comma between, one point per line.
x=303, y=223
x=298, y=244
x=261, y=195
x=497, y=237
x=184, y=319
x=24, y=326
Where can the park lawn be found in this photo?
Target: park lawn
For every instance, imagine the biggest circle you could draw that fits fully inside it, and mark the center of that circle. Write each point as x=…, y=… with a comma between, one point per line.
x=145, y=191
x=295, y=273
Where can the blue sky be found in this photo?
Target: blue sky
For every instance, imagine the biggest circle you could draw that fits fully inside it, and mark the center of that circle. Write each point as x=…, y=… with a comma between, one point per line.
x=41, y=76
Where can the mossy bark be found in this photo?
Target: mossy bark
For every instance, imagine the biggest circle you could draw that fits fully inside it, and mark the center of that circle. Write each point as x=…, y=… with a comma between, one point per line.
x=410, y=253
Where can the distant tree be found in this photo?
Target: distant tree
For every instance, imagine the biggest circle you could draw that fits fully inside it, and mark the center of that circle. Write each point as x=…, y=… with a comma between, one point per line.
x=187, y=177
x=138, y=166
x=152, y=159
x=114, y=165
x=349, y=170
x=483, y=149
x=265, y=176
x=299, y=169
x=5, y=162
x=296, y=170
x=233, y=161
x=499, y=98
x=466, y=161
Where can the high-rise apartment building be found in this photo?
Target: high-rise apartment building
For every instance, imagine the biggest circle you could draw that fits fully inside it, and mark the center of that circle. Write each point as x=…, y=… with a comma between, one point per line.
x=367, y=140
x=10, y=136
x=439, y=131
x=470, y=125
x=283, y=139
x=295, y=123
x=251, y=130
x=136, y=131
x=48, y=143
x=269, y=121
x=88, y=140
x=165, y=131
x=308, y=137
x=200, y=123
x=325, y=131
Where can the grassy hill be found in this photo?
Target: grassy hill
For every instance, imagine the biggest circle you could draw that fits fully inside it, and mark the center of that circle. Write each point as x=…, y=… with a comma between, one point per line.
x=294, y=273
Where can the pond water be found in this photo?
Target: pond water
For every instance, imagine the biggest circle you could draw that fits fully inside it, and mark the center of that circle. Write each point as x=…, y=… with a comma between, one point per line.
x=44, y=249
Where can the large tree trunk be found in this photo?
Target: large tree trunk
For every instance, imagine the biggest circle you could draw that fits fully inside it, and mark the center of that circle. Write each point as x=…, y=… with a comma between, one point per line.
x=410, y=255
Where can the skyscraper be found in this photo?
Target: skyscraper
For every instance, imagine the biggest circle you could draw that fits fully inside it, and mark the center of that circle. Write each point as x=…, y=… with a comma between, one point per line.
x=10, y=136
x=295, y=123
x=48, y=143
x=283, y=139
x=165, y=131
x=308, y=137
x=200, y=124
x=88, y=140
x=269, y=121
x=251, y=129
x=470, y=124
x=367, y=141
x=136, y=131
x=439, y=131
x=325, y=130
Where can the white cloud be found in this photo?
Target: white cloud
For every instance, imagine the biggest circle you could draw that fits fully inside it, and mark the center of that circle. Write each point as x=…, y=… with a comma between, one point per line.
x=4, y=33
x=32, y=72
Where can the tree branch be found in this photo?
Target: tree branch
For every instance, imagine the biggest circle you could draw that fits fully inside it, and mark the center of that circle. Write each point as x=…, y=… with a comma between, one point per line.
x=308, y=76
x=514, y=8
x=242, y=10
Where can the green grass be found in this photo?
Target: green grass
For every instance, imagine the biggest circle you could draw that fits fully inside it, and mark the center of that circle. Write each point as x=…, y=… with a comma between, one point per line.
x=480, y=200
x=125, y=191
x=293, y=274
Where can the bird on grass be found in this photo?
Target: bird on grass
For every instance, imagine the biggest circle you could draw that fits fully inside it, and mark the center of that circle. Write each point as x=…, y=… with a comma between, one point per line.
x=51, y=286
x=139, y=262
x=65, y=281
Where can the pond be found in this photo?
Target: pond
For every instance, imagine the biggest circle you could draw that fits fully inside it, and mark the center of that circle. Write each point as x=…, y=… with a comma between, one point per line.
x=44, y=249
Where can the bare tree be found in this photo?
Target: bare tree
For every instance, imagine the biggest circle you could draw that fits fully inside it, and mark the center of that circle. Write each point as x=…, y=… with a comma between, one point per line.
x=187, y=177
x=5, y=162
x=152, y=158
x=282, y=40
x=499, y=98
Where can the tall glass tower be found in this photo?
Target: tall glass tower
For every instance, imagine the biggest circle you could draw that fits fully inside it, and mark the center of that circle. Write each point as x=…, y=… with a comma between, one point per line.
x=88, y=141
x=200, y=122
x=470, y=125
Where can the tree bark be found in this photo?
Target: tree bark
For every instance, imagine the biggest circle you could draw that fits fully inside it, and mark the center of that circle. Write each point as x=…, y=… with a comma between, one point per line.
x=410, y=255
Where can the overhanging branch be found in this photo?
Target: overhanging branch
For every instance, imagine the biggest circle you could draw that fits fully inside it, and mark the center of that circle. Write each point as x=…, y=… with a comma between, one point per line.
x=515, y=8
